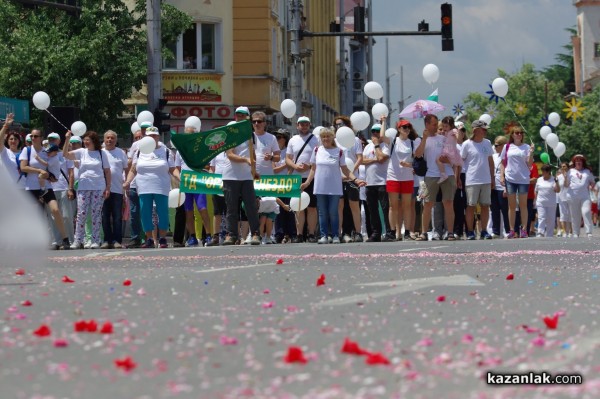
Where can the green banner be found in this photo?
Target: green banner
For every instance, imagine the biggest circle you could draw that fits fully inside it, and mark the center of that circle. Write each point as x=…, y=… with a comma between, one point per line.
x=267, y=186
x=197, y=149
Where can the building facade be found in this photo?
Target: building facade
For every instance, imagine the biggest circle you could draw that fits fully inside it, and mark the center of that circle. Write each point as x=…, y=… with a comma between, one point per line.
x=586, y=45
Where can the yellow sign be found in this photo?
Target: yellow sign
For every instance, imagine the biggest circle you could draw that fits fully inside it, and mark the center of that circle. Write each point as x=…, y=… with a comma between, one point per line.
x=191, y=87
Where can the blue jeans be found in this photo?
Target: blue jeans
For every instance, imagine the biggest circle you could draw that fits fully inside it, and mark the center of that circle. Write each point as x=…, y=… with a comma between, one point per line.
x=112, y=218
x=327, y=206
x=134, y=215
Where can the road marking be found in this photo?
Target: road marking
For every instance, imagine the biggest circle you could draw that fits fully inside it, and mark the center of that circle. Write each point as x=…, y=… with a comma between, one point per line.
x=401, y=286
x=236, y=267
x=421, y=248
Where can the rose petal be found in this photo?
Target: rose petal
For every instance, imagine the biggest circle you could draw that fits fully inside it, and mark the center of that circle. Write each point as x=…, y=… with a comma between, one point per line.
x=67, y=279
x=295, y=355
x=127, y=282
x=510, y=277
x=321, y=280
x=20, y=272
x=43, y=331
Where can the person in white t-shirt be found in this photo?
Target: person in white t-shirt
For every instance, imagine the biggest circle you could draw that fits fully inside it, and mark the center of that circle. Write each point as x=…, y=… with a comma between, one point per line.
x=579, y=181
x=546, y=189
x=266, y=148
x=430, y=148
x=10, y=148
x=136, y=238
x=517, y=158
x=563, y=203
x=596, y=195
x=325, y=164
x=297, y=157
x=285, y=222
x=152, y=173
x=93, y=187
x=480, y=177
x=112, y=210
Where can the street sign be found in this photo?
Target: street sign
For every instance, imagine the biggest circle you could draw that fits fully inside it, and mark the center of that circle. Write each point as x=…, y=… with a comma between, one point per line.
x=18, y=107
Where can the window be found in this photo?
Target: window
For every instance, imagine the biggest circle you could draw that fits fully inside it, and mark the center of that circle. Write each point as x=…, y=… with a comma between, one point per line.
x=198, y=48
x=596, y=50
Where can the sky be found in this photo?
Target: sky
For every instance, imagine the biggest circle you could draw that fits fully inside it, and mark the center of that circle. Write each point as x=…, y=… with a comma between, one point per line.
x=488, y=35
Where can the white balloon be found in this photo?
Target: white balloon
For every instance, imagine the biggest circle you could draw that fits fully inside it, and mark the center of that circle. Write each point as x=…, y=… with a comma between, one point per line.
x=500, y=87
x=545, y=131
x=431, y=73
x=350, y=164
x=135, y=127
x=554, y=119
x=391, y=133
x=485, y=118
x=78, y=128
x=345, y=137
x=300, y=204
x=176, y=199
x=317, y=131
x=145, y=116
x=373, y=90
x=379, y=110
x=195, y=122
x=288, y=108
x=560, y=149
x=147, y=145
x=41, y=100
x=359, y=122
x=552, y=140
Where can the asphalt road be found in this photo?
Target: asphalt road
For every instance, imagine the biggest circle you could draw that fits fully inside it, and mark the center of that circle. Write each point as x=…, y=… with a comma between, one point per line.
x=218, y=322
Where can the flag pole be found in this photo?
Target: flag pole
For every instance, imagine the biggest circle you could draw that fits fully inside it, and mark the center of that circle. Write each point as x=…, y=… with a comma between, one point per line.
x=252, y=156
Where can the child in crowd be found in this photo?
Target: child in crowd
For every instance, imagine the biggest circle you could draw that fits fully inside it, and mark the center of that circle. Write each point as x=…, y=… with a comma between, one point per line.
x=52, y=166
x=450, y=150
x=268, y=209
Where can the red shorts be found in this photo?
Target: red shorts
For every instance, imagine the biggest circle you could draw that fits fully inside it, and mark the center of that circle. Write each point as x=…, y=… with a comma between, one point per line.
x=594, y=207
x=400, y=187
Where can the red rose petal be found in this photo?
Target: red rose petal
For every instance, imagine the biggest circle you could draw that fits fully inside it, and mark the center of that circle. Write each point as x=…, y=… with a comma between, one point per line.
x=126, y=363
x=67, y=279
x=374, y=359
x=43, y=331
x=127, y=282
x=441, y=298
x=26, y=303
x=279, y=261
x=321, y=280
x=92, y=326
x=107, y=328
x=551, y=322
x=61, y=343
x=352, y=348
x=510, y=277
x=80, y=326
x=295, y=355
x=20, y=272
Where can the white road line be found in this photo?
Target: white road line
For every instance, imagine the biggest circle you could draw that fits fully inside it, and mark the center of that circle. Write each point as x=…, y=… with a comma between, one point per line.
x=421, y=248
x=236, y=267
x=401, y=286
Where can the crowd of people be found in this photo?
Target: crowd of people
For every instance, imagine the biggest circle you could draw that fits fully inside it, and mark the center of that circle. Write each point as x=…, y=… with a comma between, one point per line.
x=372, y=191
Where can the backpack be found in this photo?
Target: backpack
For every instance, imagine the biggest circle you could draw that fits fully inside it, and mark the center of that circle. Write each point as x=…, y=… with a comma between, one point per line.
x=18, y=161
x=505, y=159
x=419, y=164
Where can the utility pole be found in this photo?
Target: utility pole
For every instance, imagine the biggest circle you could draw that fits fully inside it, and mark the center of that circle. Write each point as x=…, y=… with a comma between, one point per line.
x=342, y=69
x=369, y=51
x=153, y=52
x=296, y=64
x=387, y=74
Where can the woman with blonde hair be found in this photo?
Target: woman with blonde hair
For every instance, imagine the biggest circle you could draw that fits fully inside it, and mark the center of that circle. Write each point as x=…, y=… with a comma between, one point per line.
x=579, y=181
x=516, y=160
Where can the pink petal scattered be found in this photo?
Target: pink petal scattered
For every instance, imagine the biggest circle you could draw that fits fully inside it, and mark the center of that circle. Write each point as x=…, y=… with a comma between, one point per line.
x=225, y=340
x=268, y=305
x=61, y=343
x=538, y=341
x=266, y=291
x=441, y=298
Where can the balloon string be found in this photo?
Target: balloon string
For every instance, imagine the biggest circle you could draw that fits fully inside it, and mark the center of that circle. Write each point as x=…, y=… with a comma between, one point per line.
x=59, y=122
x=518, y=121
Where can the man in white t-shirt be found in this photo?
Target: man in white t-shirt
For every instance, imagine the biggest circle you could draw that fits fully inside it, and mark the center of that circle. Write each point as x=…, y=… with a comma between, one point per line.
x=430, y=148
x=266, y=148
x=477, y=154
x=298, y=153
x=135, y=237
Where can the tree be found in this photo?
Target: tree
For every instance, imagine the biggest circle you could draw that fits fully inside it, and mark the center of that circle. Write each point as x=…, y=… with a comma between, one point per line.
x=91, y=62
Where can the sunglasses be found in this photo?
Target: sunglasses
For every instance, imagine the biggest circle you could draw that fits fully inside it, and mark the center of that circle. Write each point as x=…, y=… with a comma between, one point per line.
x=256, y=122
x=35, y=136
x=340, y=124
x=517, y=132
x=497, y=145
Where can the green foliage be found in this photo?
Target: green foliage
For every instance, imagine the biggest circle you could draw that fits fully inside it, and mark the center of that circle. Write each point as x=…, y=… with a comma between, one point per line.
x=91, y=62
x=583, y=135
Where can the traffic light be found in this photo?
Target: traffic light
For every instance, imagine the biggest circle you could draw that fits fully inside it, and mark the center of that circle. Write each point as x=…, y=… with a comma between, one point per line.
x=160, y=117
x=447, y=41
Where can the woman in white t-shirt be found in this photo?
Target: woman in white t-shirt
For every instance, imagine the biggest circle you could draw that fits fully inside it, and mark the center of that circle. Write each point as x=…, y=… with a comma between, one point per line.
x=10, y=148
x=325, y=164
x=517, y=158
x=152, y=173
x=400, y=178
x=563, y=204
x=93, y=187
x=579, y=181
x=546, y=189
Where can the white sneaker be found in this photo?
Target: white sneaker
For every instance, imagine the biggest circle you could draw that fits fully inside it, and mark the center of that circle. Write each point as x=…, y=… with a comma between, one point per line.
x=76, y=245
x=323, y=240
x=87, y=245
x=347, y=239
x=95, y=246
x=271, y=240
x=575, y=236
x=247, y=240
x=589, y=235
x=435, y=236
x=569, y=235
x=336, y=240
x=329, y=240
x=263, y=241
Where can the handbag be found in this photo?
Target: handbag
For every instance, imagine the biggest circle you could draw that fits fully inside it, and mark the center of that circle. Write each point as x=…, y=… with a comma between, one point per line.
x=419, y=164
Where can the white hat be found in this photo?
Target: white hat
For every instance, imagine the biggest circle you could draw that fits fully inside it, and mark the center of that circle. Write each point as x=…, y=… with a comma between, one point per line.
x=303, y=119
x=28, y=138
x=152, y=131
x=53, y=136
x=75, y=139
x=242, y=110
x=459, y=125
x=44, y=142
x=376, y=126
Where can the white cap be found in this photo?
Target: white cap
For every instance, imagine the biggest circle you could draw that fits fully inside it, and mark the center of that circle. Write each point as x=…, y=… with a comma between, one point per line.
x=75, y=139
x=303, y=119
x=376, y=126
x=152, y=131
x=145, y=124
x=28, y=138
x=459, y=125
x=54, y=136
x=242, y=110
